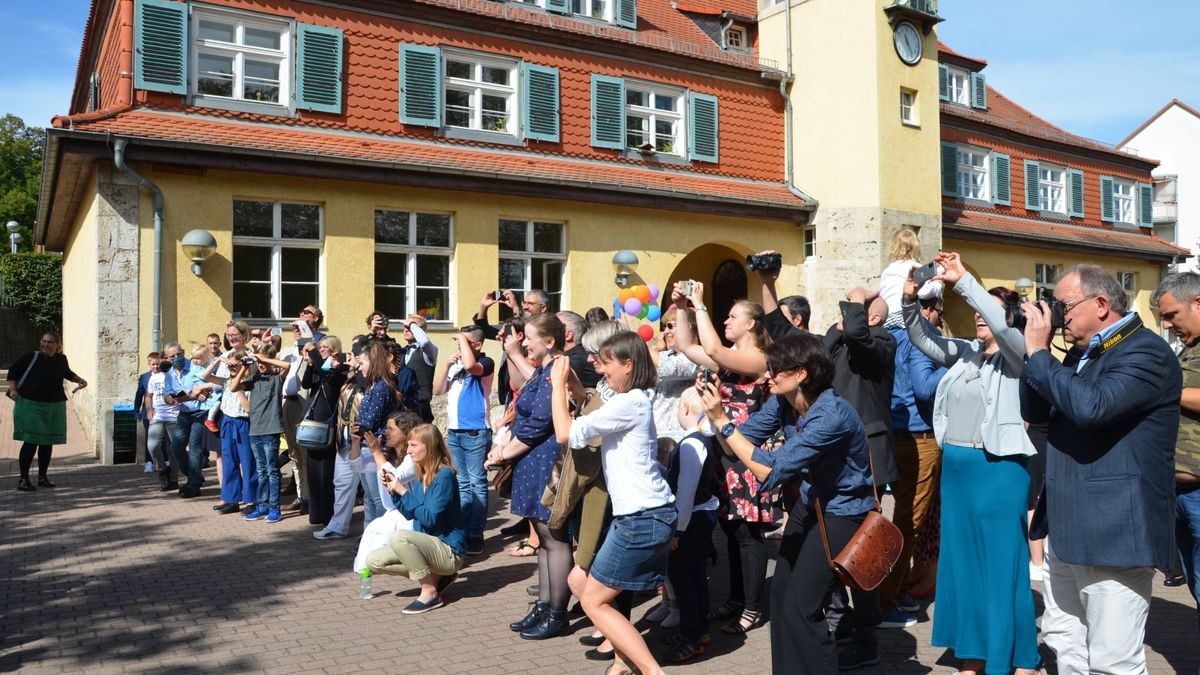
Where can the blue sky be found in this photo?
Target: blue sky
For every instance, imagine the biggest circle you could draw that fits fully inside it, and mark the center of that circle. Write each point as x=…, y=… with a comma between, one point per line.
x=1096, y=67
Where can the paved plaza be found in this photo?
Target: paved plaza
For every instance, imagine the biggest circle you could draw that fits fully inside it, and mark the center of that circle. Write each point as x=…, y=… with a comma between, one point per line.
x=106, y=574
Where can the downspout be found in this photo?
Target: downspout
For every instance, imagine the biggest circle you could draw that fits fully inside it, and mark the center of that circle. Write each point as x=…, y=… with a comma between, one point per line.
x=726, y=22
x=789, y=141
x=119, y=160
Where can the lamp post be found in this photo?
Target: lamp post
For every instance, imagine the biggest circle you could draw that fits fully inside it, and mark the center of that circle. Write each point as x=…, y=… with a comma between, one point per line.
x=624, y=262
x=13, y=235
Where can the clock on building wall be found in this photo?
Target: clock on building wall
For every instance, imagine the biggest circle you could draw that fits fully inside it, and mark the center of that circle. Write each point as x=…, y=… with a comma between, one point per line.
x=908, y=42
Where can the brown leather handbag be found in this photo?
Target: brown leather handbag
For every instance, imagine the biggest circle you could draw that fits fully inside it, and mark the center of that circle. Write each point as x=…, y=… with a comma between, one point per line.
x=871, y=553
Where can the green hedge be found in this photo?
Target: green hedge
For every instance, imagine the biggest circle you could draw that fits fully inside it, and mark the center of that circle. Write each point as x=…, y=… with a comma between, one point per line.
x=32, y=283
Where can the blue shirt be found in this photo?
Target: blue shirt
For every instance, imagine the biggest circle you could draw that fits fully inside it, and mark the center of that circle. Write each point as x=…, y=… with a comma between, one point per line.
x=185, y=381
x=1101, y=337
x=467, y=399
x=377, y=404
x=435, y=510
x=914, y=386
x=826, y=447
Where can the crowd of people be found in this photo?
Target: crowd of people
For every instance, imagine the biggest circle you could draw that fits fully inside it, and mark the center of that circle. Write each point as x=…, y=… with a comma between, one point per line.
x=621, y=456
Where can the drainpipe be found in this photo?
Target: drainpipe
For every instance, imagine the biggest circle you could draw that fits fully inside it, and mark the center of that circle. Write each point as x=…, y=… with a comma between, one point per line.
x=787, y=108
x=726, y=22
x=119, y=160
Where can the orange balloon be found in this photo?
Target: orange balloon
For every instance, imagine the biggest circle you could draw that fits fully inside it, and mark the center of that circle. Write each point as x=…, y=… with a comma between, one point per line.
x=642, y=293
x=625, y=294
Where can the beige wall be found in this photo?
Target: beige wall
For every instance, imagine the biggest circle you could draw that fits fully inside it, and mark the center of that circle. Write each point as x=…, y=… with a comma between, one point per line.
x=80, y=304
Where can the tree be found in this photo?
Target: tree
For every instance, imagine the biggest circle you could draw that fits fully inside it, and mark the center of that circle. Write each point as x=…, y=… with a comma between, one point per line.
x=32, y=283
x=20, y=176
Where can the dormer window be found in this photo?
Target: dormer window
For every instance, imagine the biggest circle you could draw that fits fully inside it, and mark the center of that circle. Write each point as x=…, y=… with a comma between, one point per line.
x=960, y=86
x=736, y=39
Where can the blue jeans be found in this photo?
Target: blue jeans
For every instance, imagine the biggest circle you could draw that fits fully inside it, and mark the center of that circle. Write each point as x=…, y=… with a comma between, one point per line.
x=1187, y=532
x=266, y=459
x=372, y=502
x=240, y=479
x=187, y=446
x=469, y=448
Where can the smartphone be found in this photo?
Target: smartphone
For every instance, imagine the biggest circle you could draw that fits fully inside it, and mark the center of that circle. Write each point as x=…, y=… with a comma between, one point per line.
x=706, y=376
x=925, y=273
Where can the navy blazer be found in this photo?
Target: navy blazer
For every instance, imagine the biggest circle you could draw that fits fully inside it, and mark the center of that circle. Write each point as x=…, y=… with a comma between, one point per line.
x=1109, y=496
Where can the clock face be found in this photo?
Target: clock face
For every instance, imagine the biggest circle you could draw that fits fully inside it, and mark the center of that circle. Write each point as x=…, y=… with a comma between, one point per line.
x=908, y=43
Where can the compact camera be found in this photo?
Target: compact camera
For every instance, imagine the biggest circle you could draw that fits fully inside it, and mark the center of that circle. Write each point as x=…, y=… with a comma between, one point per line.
x=767, y=262
x=1014, y=314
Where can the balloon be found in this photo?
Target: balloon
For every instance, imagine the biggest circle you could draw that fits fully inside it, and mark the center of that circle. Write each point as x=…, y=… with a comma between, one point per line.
x=653, y=292
x=616, y=308
x=632, y=306
x=654, y=314
x=625, y=294
x=645, y=310
x=642, y=293
x=646, y=332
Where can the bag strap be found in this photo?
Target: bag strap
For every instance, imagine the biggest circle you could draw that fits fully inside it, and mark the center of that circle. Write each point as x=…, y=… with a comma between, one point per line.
x=821, y=517
x=28, y=370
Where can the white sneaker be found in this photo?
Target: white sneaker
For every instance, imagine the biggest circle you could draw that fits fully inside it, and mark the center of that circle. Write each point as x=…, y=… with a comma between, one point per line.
x=149, y=468
x=660, y=612
x=1036, y=573
x=672, y=620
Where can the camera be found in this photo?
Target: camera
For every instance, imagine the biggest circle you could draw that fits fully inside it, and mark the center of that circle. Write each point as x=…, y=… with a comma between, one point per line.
x=497, y=294
x=1014, y=314
x=686, y=287
x=767, y=262
x=247, y=361
x=925, y=273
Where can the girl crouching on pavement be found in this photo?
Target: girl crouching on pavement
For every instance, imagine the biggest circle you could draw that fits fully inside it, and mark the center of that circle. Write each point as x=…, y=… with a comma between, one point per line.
x=633, y=556
x=432, y=553
x=390, y=454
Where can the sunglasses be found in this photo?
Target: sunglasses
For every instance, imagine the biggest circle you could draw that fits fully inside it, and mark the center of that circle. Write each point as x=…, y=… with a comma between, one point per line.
x=308, y=312
x=772, y=372
x=670, y=325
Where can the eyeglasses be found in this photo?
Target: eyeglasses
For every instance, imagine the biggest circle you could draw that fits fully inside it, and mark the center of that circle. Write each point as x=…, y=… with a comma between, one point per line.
x=1068, y=306
x=308, y=312
x=233, y=335
x=670, y=325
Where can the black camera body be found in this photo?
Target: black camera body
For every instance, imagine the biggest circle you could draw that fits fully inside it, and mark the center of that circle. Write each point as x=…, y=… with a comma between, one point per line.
x=1014, y=314
x=248, y=361
x=767, y=262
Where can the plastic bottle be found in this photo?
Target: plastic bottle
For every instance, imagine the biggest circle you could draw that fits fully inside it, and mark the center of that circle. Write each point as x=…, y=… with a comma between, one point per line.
x=364, y=585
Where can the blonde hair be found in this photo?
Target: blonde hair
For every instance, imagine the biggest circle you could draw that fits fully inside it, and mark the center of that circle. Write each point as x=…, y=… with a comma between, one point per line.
x=691, y=398
x=904, y=245
x=437, y=454
x=332, y=342
x=201, y=352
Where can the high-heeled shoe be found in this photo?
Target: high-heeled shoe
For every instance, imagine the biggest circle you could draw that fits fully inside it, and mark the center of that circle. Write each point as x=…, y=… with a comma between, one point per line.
x=531, y=619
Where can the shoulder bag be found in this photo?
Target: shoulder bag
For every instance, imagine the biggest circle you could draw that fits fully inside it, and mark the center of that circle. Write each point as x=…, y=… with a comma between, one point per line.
x=576, y=470
x=12, y=393
x=317, y=434
x=871, y=553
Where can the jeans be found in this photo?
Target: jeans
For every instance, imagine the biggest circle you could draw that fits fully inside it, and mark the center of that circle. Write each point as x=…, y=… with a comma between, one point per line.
x=187, y=446
x=158, y=444
x=266, y=460
x=469, y=448
x=1187, y=532
x=372, y=500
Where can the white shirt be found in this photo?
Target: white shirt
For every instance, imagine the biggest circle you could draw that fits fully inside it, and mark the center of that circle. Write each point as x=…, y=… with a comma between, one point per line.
x=162, y=411
x=291, y=383
x=692, y=454
x=628, y=451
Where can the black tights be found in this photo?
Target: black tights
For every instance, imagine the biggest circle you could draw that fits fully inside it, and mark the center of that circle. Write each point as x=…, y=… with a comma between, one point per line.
x=554, y=564
x=26, y=459
x=747, y=561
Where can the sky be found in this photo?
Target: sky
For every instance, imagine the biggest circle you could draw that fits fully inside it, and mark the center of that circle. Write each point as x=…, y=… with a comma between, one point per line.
x=1097, y=68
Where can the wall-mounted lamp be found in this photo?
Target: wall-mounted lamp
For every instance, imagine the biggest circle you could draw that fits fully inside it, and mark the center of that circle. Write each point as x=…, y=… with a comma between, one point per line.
x=1024, y=287
x=624, y=262
x=198, y=245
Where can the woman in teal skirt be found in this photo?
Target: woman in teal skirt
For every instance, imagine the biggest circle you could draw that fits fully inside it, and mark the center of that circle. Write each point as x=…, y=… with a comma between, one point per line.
x=984, y=603
x=35, y=383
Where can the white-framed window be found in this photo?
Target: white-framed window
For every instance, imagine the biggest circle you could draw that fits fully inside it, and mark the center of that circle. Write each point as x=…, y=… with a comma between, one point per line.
x=1128, y=282
x=276, y=257
x=959, y=85
x=973, y=165
x=533, y=254
x=1052, y=188
x=412, y=263
x=810, y=242
x=1045, y=275
x=736, y=39
x=595, y=9
x=480, y=92
x=908, y=107
x=1124, y=201
x=654, y=115
x=236, y=57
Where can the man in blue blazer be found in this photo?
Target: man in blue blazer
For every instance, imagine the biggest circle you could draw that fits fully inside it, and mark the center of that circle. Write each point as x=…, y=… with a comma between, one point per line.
x=1108, y=504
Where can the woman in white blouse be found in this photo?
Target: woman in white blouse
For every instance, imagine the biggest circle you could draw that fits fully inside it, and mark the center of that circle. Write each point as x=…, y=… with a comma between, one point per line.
x=634, y=554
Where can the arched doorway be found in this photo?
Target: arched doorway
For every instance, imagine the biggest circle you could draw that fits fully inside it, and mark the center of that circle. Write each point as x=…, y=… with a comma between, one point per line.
x=729, y=284
x=721, y=267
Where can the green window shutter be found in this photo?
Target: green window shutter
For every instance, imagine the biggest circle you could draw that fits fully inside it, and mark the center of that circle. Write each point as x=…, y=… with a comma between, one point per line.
x=539, y=95
x=702, y=128
x=943, y=82
x=625, y=13
x=421, y=85
x=1033, y=199
x=1001, y=179
x=608, y=112
x=319, y=69
x=1145, y=193
x=1075, y=185
x=160, y=47
x=558, y=6
x=949, y=169
x=1106, y=199
x=978, y=91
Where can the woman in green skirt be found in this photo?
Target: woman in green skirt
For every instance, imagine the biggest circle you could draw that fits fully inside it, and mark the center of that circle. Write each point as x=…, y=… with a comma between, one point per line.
x=40, y=414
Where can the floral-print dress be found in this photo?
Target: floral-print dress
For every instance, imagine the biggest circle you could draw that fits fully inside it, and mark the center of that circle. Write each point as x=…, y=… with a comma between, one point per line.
x=741, y=497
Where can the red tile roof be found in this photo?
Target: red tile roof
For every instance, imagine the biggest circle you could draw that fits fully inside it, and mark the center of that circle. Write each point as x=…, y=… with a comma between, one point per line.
x=944, y=48
x=438, y=157
x=1026, y=229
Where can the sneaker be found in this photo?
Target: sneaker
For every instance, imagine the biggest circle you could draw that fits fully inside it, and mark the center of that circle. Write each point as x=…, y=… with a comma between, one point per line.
x=1036, y=573
x=212, y=426
x=660, y=612
x=896, y=618
x=854, y=657
x=328, y=534
x=672, y=620
x=256, y=514
x=273, y=516
x=908, y=603
x=149, y=468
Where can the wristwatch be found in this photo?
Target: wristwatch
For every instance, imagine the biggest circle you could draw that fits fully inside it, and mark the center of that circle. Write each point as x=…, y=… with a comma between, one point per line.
x=727, y=430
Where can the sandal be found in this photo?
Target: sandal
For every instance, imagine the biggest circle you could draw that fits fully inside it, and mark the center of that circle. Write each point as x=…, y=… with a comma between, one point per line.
x=748, y=621
x=523, y=549
x=730, y=609
x=684, y=652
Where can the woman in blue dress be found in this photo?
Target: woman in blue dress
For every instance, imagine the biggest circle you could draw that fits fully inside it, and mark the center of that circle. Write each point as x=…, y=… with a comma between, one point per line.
x=535, y=450
x=984, y=602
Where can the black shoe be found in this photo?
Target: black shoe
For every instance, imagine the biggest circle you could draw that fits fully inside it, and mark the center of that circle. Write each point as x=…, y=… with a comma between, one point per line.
x=163, y=481
x=218, y=507
x=187, y=492
x=591, y=640
x=553, y=622
x=531, y=619
x=169, y=485
x=1175, y=580
x=596, y=654
x=576, y=612
x=25, y=486
x=45, y=482
x=228, y=509
x=533, y=590
x=519, y=527
x=854, y=657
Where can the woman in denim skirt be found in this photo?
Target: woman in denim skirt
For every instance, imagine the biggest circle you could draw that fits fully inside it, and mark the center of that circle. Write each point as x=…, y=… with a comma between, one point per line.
x=633, y=556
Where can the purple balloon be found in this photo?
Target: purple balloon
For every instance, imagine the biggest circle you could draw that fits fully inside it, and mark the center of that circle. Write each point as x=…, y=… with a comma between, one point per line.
x=653, y=292
x=633, y=306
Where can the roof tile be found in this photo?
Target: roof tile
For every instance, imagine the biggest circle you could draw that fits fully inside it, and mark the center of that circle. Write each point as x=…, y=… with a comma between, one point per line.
x=1027, y=229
